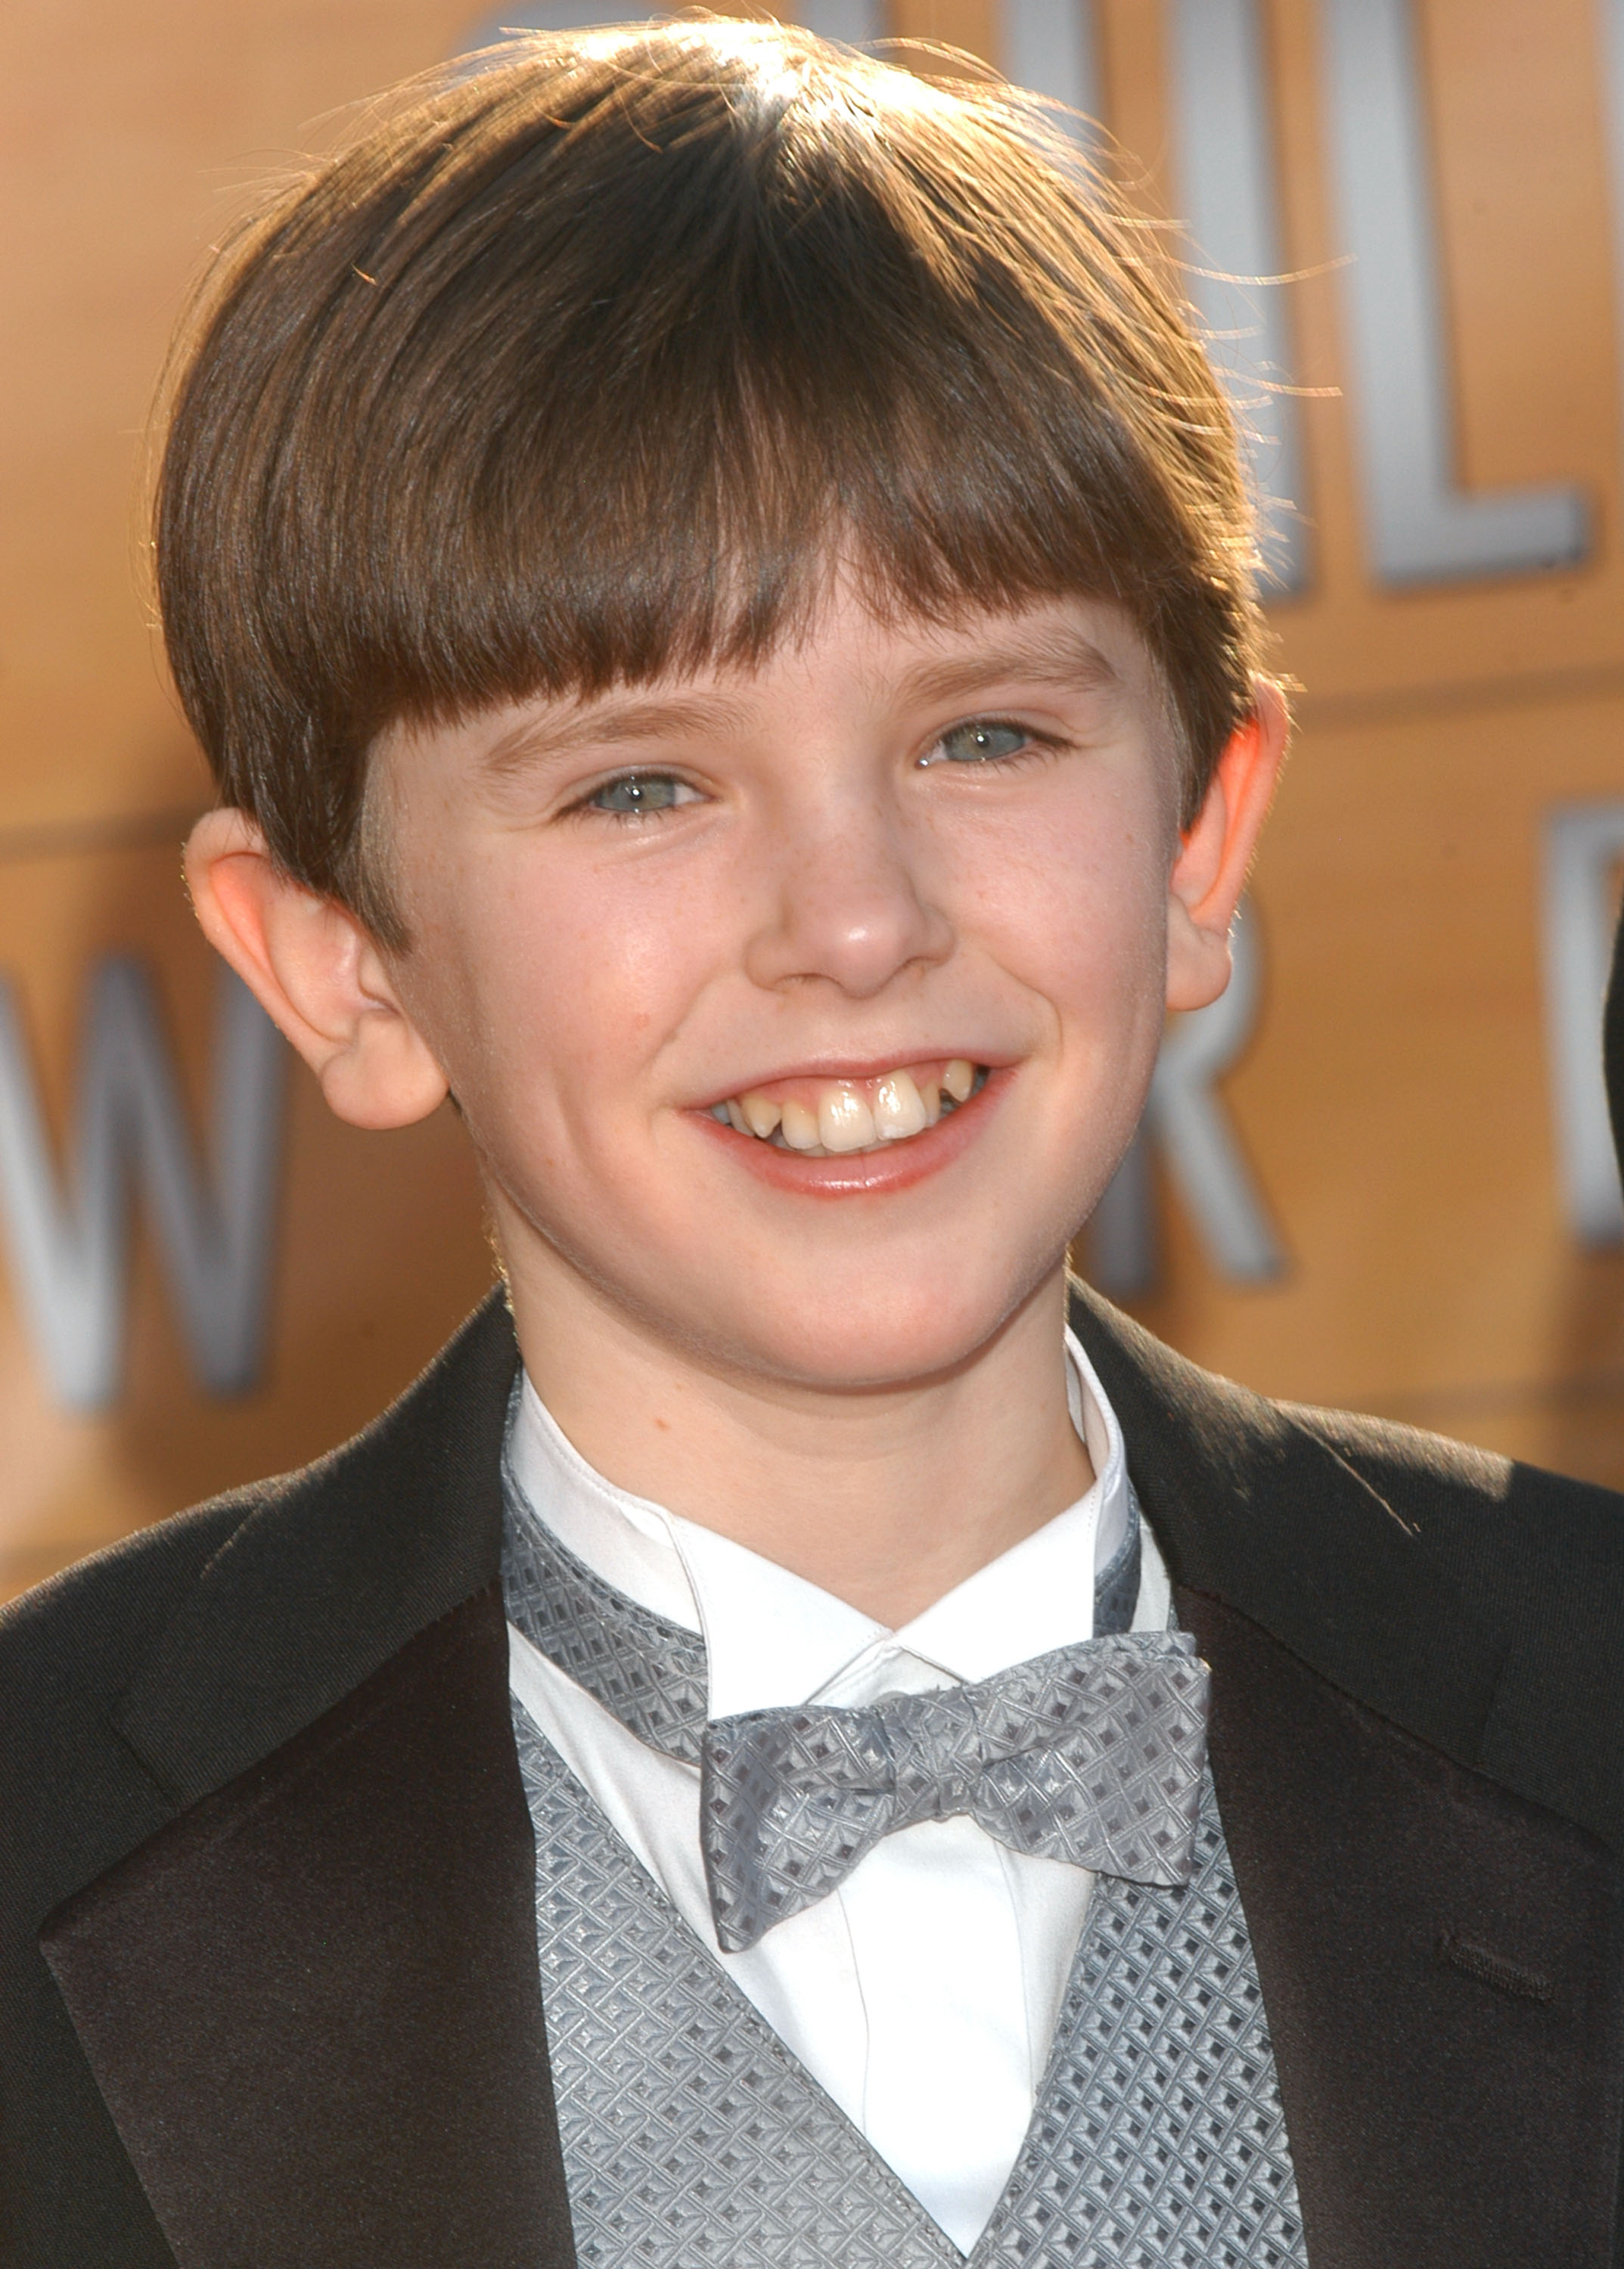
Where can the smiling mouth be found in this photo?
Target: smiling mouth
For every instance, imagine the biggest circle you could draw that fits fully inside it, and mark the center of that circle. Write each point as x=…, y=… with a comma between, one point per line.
x=840, y=1117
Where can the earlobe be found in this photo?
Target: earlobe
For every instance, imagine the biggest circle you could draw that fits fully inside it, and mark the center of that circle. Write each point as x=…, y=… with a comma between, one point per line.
x=1216, y=850
x=316, y=971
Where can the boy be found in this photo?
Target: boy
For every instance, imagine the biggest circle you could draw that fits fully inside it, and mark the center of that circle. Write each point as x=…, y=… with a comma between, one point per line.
x=717, y=589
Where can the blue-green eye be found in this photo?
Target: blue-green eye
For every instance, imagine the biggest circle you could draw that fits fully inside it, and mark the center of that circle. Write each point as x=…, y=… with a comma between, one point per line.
x=635, y=793
x=980, y=742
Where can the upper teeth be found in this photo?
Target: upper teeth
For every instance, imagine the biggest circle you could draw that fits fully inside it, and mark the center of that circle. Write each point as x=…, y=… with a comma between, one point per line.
x=845, y=1115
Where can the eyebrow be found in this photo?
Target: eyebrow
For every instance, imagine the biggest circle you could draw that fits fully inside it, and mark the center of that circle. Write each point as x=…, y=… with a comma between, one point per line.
x=1061, y=658
x=608, y=724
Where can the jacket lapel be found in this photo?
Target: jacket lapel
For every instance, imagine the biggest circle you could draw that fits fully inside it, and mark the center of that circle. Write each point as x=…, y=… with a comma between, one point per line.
x=1251, y=1506
x=331, y=1571
x=1442, y=1959
x=312, y=2001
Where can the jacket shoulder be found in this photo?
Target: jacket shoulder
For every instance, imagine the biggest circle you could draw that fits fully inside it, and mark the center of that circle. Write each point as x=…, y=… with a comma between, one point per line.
x=1511, y=1534
x=1538, y=1558
x=71, y=1795
x=137, y=1680
x=77, y=1615
x=1492, y=1520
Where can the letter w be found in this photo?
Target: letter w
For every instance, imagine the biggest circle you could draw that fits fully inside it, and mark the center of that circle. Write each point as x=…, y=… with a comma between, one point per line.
x=70, y=1244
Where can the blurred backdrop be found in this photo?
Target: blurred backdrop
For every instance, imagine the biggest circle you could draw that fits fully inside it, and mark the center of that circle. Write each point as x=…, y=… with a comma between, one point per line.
x=1377, y=1175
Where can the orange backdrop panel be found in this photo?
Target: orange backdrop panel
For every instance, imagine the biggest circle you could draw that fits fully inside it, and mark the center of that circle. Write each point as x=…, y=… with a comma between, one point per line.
x=1394, y=1103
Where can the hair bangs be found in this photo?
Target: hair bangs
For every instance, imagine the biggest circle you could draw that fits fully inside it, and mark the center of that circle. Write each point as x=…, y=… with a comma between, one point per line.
x=598, y=367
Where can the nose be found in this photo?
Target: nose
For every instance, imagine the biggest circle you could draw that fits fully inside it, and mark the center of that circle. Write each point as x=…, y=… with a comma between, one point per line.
x=849, y=903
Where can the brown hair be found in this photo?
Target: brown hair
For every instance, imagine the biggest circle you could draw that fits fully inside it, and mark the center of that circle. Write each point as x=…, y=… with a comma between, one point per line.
x=585, y=366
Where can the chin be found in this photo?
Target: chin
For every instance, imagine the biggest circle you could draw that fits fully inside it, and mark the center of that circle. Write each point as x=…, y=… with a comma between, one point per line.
x=875, y=1339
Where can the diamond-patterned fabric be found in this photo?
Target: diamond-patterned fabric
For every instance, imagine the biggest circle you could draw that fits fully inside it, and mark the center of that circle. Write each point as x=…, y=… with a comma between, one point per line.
x=1092, y=1753
x=647, y=1672
x=1159, y=2137
x=692, y=2134
x=1116, y=1586
x=650, y=1673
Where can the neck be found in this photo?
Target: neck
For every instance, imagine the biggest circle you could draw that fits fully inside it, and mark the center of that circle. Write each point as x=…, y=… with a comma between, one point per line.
x=886, y=1496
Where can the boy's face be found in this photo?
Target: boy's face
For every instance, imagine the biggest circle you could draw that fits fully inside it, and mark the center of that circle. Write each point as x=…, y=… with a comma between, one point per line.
x=814, y=891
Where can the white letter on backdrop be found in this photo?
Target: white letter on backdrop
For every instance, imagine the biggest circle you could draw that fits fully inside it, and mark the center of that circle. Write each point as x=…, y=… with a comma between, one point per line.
x=70, y=1244
x=1422, y=528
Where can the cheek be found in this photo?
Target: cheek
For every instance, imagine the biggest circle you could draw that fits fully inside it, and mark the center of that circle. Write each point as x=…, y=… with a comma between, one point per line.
x=577, y=982
x=1080, y=907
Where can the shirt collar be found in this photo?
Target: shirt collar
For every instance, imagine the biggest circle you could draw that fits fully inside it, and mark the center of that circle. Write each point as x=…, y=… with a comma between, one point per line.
x=773, y=1637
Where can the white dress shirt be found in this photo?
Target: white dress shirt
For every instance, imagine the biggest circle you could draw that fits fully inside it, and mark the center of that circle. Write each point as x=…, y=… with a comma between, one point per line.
x=922, y=1995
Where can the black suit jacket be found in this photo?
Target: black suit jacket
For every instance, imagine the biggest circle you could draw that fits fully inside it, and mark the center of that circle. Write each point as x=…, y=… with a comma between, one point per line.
x=270, y=1991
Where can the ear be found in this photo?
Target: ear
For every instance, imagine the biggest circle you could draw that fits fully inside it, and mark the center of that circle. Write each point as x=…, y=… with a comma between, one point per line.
x=316, y=971
x=1215, y=852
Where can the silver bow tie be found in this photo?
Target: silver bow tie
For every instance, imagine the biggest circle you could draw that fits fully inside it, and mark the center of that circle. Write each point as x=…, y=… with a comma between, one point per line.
x=1093, y=1755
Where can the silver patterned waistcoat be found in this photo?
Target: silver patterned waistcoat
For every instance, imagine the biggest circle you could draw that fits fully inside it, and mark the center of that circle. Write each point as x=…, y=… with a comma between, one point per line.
x=692, y=2135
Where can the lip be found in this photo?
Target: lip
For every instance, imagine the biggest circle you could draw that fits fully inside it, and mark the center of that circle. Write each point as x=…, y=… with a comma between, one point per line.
x=872, y=1174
